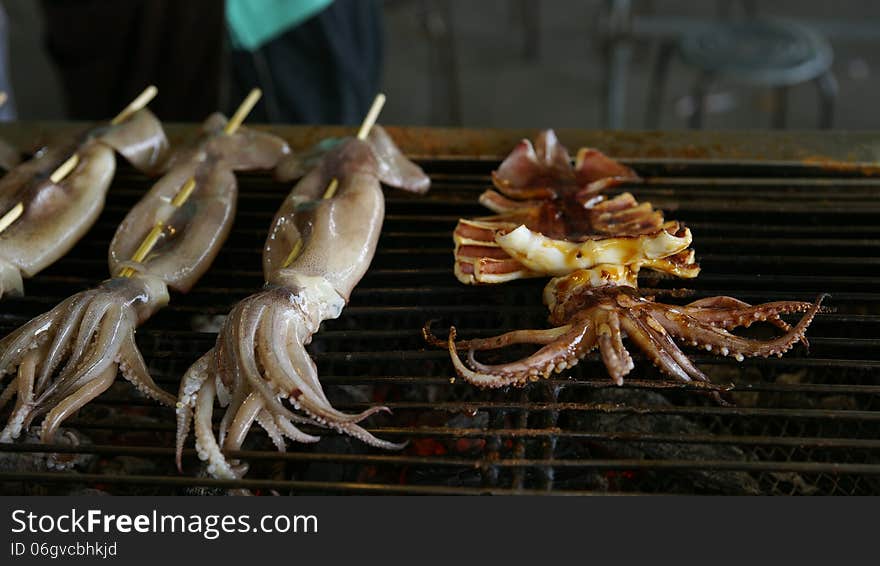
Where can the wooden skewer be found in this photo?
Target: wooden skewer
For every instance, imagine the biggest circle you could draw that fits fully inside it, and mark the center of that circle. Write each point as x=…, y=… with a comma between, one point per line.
x=141, y=101
x=11, y=216
x=189, y=186
x=363, y=132
x=70, y=164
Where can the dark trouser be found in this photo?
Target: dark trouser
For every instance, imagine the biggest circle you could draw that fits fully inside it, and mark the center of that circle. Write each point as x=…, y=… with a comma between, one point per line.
x=324, y=71
x=108, y=51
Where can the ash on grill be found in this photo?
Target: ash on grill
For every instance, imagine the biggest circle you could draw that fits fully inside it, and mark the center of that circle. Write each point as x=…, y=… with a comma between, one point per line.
x=802, y=424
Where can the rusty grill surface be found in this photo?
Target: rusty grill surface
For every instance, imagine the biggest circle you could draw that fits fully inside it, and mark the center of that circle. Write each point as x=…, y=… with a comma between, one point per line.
x=763, y=231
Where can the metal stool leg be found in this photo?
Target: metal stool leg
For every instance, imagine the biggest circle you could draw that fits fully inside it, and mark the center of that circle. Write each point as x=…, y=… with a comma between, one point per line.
x=442, y=64
x=780, y=107
x=698, y=93
x=658, y=85
x=827, y=85
x=617, y=52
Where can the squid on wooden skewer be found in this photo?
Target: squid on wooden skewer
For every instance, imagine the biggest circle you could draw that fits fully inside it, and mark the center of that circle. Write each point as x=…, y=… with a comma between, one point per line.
x=45, y=213
x=63, y=359
x=319, y=247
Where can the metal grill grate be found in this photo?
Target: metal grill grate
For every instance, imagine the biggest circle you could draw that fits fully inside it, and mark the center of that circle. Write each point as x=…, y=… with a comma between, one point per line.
x=802, y=424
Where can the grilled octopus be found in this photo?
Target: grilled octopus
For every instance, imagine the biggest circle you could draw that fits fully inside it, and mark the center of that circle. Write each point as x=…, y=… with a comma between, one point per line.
x=57, y=215
x=259, y=359
x=552, y=221
x=68, y=356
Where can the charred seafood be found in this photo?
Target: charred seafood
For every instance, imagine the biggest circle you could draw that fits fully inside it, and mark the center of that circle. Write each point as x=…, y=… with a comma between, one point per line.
x=63, y=359
x=319, y=247
x=44, y=216
x=552, y=220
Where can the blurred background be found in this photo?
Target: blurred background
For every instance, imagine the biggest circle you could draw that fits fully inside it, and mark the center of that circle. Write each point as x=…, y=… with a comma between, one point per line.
x=630, y=64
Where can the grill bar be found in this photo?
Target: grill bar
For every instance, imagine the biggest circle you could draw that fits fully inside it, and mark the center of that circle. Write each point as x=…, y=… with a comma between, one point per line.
x=788, y=228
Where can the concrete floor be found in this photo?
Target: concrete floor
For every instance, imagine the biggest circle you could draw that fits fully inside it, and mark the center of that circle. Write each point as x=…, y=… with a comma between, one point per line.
x=560, y=87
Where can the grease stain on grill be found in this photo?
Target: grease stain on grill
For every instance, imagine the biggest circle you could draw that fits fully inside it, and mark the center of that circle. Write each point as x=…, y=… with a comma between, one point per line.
x=802, y=424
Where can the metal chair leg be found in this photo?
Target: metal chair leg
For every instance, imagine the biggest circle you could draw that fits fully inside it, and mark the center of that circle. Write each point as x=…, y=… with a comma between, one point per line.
x=780, y=107
x=443, y=64
x=827, y=85
x=657, y=85
x=617, y=52
x=699, y=92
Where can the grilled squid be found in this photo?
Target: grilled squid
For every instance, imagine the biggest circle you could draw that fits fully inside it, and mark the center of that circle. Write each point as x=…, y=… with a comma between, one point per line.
x=551, y=221
x=316, y=252
x=56, y=215
x=63, y=359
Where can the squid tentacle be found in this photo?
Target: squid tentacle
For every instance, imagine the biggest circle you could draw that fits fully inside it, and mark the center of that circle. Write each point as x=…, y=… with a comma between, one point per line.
x=708, y=336
x=108, y=338
x=190, y=385
x=134, y=369
x=75, y=402
x=272, y=430
x=538, y=336
x=566, y=351
x=649, y=343
x=279, y=353
x=615, y=356
x=233, y=406
x=206, y=445
x=245, y=412
x=61, y=342
x=24, y=401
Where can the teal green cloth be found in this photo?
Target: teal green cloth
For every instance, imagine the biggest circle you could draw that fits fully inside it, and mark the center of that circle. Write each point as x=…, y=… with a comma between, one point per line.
x=254, y=22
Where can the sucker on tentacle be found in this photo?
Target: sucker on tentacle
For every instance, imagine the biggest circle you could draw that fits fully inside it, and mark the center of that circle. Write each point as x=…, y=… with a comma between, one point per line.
x=551, y=221
x=72, y=354
x=317, y=250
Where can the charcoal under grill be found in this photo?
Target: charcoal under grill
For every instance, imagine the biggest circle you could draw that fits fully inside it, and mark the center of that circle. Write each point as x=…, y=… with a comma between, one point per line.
x=770, y=221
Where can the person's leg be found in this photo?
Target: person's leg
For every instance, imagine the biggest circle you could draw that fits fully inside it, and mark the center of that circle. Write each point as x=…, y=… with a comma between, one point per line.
x=108, y=51
x=324, y=71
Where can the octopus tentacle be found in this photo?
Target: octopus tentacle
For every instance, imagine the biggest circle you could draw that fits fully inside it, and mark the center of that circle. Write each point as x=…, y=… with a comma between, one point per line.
x=75, y=402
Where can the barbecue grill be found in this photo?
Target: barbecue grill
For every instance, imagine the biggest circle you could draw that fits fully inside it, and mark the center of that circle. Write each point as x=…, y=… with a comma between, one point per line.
x=774, y=216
